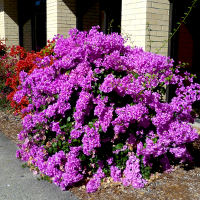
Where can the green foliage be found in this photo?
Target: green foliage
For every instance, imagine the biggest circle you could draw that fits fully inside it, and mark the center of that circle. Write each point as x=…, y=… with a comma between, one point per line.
x=24, y=165
x=118, y=146
x=121, y=158
x=145, y=171
x=45, y=178
x=65, y=146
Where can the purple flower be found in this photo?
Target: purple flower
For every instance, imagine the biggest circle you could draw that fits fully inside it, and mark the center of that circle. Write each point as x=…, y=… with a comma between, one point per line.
x=115, y=173
x=127, y=108
x=56, y=128
x=109, y=84
x=91, y=140
x=132, y=175
x=95, y=182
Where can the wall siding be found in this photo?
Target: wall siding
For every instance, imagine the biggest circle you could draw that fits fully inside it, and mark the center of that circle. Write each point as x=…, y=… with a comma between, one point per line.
x=9, y=22
x=61, y=17
x=137, y=15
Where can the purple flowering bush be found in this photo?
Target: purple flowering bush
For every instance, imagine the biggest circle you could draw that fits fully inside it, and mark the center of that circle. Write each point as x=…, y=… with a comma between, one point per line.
x=99, y=110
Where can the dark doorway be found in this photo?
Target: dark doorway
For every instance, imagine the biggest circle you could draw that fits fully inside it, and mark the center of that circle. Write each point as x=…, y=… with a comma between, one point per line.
x=185, y=46
x=105, y=13
x=32, y=24
x=112, y=15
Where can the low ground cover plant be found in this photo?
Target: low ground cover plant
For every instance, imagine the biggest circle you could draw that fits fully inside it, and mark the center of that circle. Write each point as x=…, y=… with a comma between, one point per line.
x=6, y=69
x=97, y=108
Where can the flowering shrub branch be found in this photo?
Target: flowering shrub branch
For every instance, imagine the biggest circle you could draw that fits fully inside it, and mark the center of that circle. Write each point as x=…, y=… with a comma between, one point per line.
x=6, y=69
x=17, y=59
x=96, y=109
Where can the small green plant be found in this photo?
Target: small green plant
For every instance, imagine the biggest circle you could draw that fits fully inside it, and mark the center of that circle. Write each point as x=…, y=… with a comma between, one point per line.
x=24, y=165
x=148, y=28
x=182, y=21
x=110, y=26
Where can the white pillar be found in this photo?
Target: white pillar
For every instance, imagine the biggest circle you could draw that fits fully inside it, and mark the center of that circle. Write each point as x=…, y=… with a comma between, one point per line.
x=133, y=22
x=9, y=28
x=146, y=23
x=61, y=17
x=2, y=23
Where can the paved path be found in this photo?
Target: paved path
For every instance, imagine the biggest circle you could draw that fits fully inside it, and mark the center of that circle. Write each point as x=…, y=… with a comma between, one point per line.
x=17, y=183
x=197, y=123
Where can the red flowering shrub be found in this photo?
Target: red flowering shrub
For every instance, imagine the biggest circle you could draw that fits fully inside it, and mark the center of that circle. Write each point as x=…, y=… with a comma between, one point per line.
x=27, y=62
x=6, y=70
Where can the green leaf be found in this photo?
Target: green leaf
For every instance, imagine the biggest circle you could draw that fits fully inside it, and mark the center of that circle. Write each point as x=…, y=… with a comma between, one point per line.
x=91, y=124
x=46, y=178
x=64, y=126
x=155, y=140
x=146, y=171
x=54, y=145
x=68, y=71
x=106, y=171
x=59, y=143
x=136, y=75
x=124, y=159
x=119, y=146
x=50, y=150
x=55, y=149
x=56, y=96
x=83, y=157
x=65, y=148
x=24, y=165
x=100, y=128
x=68, y=119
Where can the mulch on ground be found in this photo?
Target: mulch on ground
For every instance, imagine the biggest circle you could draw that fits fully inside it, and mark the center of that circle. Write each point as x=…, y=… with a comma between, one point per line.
x=10, y=124
x=182, y=183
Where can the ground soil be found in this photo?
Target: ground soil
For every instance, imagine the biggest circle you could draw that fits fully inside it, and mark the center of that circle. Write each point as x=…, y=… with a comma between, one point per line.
x=183, y=183
x=10, y=124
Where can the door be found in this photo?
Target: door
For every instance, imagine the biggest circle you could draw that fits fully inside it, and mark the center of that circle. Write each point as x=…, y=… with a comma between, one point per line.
x=32, y=24
x=185, y=45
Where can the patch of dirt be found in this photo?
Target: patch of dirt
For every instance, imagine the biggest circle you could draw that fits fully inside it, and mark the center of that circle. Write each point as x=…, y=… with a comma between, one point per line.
x=183, y=183
x=10, y=125
x=180, y=184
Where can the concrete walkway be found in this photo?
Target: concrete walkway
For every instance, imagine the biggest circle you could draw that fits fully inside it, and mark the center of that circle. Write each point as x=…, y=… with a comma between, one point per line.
x=197, y=123
x=17, y=183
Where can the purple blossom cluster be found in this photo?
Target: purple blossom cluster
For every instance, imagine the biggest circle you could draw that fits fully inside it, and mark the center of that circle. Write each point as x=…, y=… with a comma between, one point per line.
x=98, y=110
x=132, y=174
x=95, y=182
x=91, y=140
x=115, y=173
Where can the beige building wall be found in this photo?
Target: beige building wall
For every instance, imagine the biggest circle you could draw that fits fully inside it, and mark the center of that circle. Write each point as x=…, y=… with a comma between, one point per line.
x=66, y=16
x=61, y=17
x=11, y=22
x=133, y=21
x=146, y=24
x=9, y=29
x=52, y=17
x=2, y=24
x=157, y=32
